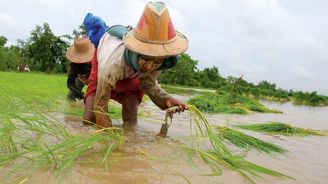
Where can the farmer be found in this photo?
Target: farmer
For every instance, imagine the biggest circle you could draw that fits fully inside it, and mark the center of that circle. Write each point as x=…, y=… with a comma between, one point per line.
x=79, y=55
x=127, y=63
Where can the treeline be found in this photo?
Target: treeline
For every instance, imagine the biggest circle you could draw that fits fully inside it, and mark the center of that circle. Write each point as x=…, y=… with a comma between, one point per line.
x=186, y=73
x=42, y=51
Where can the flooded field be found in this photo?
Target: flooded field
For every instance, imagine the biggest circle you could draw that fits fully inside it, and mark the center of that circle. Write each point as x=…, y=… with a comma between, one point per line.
x=145, y=158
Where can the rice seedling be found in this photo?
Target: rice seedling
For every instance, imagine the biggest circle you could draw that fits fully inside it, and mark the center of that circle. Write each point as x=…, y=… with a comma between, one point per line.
x=38, y=141
x=306, y=98
x=283, y=129
x=209, y=146
x=28, y=146
x=32, y=140
x=243, y=140
x=222, y=102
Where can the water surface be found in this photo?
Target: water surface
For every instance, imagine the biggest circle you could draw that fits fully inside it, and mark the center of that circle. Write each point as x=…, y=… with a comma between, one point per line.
x=147, y=159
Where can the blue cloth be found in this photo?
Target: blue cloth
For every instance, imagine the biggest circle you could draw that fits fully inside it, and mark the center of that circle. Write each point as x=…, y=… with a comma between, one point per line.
x=118, y=30
x=95, y=28
x=131, y=58
x=169, y=63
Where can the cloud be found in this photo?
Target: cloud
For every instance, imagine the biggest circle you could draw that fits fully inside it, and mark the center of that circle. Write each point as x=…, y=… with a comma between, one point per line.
x=302, y=73
x=11, y=28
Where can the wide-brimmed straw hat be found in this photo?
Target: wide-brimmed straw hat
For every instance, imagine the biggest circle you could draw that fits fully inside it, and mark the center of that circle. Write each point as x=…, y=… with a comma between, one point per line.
x=81, y=51
x=154, y=34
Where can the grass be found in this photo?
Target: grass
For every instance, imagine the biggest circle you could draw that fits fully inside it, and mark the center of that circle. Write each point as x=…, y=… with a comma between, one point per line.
x=209, y=145
x=223, y=103
x=245, y=141
x=283, y=129
x=32, y=140
x=306, y=98
x=39, y=92
x=30, y=146
x=183, y=90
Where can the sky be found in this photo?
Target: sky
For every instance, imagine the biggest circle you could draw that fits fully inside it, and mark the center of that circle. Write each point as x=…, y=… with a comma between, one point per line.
x=281, y=41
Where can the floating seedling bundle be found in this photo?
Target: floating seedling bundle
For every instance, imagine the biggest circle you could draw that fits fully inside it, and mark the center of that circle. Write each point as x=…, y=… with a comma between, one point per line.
x=283, y=129
x=245, y=141
x=217, y=155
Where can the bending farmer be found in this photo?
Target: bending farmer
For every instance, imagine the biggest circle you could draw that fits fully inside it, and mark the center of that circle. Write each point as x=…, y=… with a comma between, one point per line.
x=79, y=56
x=127, y=63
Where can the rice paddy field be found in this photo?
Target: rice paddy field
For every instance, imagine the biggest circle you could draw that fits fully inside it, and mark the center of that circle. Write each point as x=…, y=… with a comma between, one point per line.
x=42, y=140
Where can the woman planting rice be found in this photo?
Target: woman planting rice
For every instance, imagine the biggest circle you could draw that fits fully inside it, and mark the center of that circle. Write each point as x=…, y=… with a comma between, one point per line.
x=127, y=63
x=80, y=55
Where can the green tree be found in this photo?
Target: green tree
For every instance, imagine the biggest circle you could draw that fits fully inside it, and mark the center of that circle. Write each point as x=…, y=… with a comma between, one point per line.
x=212, y=73
x=9, y=56
x=3, y=41
x=210, y=77
x=13, y=57
x=267, y=85
x=183, y=73
x=46, y=52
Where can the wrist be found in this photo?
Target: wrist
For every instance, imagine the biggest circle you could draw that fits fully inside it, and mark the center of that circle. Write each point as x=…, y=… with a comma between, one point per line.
x=168, y=103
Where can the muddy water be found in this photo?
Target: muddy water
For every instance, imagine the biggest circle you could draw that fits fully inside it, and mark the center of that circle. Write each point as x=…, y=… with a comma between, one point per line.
x=147, y=159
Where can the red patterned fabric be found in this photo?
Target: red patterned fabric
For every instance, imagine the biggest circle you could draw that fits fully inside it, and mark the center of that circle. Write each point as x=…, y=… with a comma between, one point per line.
x=92, y=81
x=127, y=87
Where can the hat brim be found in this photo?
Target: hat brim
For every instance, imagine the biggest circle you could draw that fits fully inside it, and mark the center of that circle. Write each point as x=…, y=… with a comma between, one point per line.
x=176, y=47
x=76, y=57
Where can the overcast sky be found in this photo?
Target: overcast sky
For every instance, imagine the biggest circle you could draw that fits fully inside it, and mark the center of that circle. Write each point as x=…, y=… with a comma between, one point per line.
x=281, y=41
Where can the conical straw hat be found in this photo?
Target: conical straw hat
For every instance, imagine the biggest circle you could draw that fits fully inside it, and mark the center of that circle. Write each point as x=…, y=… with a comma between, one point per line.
x=81, y=51
x=155, y=34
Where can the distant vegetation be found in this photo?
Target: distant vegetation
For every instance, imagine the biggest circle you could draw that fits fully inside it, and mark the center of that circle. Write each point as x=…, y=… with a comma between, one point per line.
x=43, y=51
x=186, y=73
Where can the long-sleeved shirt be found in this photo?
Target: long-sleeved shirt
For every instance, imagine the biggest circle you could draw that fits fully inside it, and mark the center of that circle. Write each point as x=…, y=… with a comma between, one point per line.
x=112, y=68
x=80, y=71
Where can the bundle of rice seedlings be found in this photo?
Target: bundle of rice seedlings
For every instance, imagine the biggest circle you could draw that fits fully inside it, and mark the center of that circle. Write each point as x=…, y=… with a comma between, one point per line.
x=216, y=154
x=283, y=129
x=27, y=147
x=243, y=140
x=221, y=102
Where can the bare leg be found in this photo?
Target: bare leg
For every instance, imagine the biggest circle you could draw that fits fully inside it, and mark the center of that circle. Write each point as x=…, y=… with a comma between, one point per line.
x=129, y=109
x=89, y=116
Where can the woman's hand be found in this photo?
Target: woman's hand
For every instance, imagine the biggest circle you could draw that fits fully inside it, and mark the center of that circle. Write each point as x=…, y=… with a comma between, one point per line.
x=175, y=102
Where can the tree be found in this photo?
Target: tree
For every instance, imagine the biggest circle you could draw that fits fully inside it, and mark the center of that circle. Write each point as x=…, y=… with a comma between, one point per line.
x=3, y=41
x=212, y=73
x=183, y=73
x=9, y=56
x=267, y=85
x=45, y=51
x=210, y=78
